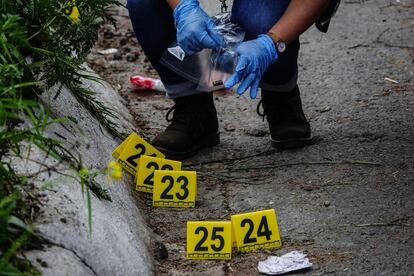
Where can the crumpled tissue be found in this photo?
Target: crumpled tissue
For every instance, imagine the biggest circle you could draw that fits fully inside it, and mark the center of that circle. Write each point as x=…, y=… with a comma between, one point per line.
x=292, y=261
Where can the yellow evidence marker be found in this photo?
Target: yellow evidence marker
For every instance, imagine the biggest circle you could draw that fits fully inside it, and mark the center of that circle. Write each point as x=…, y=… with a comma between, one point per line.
x=174, y=189
x=146, y=167
x=256, y=230
x=209, y=240
x=233, y=238
x=129, y=152
x=119, y=149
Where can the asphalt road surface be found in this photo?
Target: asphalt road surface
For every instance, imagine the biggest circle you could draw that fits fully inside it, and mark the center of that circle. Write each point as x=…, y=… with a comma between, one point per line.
x=348, y=200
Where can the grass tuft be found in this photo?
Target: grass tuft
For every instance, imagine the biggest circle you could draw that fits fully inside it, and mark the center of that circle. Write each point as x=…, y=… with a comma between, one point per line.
x=42, y=43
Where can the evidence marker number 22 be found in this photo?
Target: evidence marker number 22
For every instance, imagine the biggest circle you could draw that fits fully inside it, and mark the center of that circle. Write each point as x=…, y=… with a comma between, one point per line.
x=130, y=150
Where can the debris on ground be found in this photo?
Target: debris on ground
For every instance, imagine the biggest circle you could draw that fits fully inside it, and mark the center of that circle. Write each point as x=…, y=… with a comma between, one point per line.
x=289, y=262
x=147, y=83
x=108, y=51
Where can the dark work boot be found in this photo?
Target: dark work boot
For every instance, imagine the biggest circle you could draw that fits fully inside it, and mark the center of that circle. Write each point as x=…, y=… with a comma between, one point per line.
x=287, y=122
x=194, y=125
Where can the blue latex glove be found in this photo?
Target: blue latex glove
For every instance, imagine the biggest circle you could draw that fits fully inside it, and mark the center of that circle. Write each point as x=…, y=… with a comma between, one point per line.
x=255, y=56
x=195, y=29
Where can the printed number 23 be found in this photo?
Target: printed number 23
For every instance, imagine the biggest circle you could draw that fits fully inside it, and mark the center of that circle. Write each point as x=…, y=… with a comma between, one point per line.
x=214, y=236
x=181, y=180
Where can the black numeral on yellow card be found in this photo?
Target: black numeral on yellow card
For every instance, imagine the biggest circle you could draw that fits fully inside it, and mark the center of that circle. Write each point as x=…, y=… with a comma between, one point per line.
x=209, y=240
x=215, y=235
x=133, y=159
x=182, y=180
x=174, y=188
x=262, y=231
x=130, y=151
x=149, y=180
x=256, y=230
x=147, y=165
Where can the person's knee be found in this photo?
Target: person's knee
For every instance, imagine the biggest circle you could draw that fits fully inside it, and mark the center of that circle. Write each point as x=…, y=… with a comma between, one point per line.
x=139, y=5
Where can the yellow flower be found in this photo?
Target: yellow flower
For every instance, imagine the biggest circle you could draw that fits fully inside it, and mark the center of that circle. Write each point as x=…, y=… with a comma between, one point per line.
x=117, y=175
x=113, y=165
x=74, y=15
x=84, y=172
x=114, y=170
x=72, y=11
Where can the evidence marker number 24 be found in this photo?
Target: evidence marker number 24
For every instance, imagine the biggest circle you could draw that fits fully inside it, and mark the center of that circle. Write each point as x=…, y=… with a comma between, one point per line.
x=256, y=230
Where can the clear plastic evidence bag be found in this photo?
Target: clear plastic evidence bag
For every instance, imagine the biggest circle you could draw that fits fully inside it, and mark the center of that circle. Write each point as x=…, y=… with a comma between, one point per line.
x=208, y=68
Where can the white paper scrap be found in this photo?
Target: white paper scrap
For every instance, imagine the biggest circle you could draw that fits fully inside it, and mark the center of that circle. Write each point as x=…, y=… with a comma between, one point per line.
x=177, y=51
x=108, y=51
x=292, y=261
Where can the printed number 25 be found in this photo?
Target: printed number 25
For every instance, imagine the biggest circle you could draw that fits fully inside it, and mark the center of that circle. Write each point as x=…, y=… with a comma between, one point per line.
x=214, y=236
x=184, y=183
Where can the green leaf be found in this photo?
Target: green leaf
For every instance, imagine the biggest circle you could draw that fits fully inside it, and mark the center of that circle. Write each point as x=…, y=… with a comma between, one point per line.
x=89, y=201
x=9, y=270
x=17, y=222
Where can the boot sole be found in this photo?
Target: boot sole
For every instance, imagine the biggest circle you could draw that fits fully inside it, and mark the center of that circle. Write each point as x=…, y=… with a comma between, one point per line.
x=209, y=141
x=292, y=143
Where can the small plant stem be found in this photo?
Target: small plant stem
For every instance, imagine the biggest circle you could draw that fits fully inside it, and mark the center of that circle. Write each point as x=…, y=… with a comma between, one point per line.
x=304, y=163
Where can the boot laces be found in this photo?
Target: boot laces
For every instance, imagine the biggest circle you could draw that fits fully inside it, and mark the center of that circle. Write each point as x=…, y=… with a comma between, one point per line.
x=178, y=111
x=261, y=114
x=182, y=116
x=167, y=116
x=276, y=110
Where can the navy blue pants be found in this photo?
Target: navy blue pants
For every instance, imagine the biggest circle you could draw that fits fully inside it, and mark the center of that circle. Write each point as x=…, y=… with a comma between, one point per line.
x=153, y=25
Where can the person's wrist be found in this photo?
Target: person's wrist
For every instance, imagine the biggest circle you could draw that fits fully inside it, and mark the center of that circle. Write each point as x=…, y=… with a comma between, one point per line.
x=277, y=41
x=184, y=5
x=270, y=47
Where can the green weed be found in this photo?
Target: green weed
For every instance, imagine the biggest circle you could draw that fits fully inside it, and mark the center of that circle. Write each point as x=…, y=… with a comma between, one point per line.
x=41, y=44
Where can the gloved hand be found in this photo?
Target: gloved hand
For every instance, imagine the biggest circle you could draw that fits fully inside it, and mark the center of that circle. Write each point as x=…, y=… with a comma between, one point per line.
x=255, y=56
x=195, y=29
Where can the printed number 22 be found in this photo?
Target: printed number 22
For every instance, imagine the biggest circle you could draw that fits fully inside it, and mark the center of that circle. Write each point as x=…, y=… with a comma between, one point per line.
x=142, y=150
x=262, y=231
x=214, y=236
x=150, y=178
x=184, y=183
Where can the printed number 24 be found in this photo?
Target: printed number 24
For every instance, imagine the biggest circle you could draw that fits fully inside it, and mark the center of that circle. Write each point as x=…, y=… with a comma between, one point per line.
x=263, y=230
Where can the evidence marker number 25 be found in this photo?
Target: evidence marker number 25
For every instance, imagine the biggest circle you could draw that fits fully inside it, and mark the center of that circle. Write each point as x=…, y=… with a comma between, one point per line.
x=209, y=240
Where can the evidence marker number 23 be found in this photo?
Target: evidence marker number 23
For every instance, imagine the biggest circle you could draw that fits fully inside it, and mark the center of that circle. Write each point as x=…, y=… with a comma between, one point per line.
x=175, y=188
